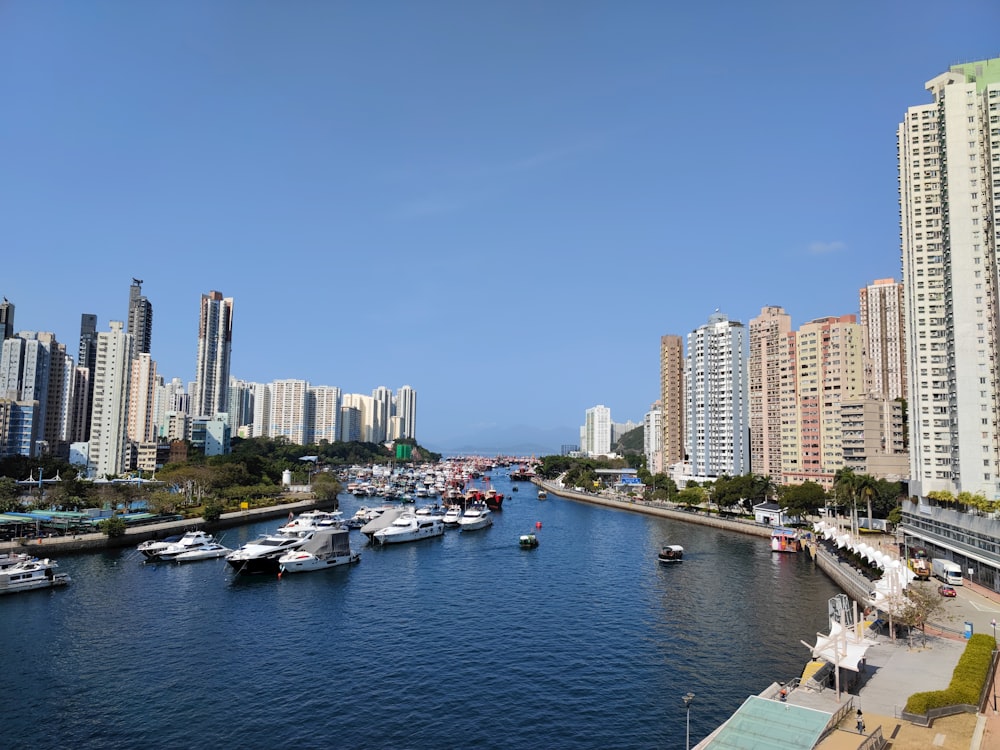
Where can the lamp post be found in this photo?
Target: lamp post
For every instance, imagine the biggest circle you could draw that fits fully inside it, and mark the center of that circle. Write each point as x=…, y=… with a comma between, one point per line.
x=687, y=705
x=993, y=622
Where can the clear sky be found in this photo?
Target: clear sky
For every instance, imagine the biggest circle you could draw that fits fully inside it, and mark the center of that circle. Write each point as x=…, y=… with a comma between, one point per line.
x=501, y=204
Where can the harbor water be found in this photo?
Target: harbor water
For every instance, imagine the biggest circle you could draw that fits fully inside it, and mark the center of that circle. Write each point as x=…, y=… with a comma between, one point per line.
x=460, y=641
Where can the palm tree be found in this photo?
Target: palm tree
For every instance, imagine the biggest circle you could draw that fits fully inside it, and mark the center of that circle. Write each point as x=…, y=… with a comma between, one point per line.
x=845, y=483
x=867, y=487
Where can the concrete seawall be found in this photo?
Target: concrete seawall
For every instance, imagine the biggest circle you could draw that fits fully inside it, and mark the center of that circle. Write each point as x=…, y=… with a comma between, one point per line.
x=660, y=509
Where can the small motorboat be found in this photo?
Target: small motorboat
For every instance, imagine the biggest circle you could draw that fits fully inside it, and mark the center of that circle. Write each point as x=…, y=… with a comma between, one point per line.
x=671, y=553
x=542, y=495
x=210, y=551
x=527, y=541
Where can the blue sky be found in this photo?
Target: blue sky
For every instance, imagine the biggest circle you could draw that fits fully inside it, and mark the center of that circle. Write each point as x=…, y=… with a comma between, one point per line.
x=503, y=205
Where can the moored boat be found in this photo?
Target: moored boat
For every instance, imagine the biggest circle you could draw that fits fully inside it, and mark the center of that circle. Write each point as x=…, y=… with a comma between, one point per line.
x=31, y=574
x=476, y=516
x=409, y=527
x=328, y=548
x=785, y=540
x=261, y=555
x=210, y=551
x=191, y=541
x=670, y=553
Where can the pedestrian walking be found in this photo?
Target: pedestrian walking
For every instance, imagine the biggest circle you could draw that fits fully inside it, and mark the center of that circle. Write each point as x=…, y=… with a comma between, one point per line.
x=861, y=723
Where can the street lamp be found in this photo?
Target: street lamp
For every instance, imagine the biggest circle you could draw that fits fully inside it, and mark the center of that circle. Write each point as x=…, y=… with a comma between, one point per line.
x=687, y=705
x=993, y=622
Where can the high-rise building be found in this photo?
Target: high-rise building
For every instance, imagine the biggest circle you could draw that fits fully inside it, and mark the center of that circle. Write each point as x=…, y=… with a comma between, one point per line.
x=290, y=410
x=83, y=385
x=324, y=403
x=949, y=184
x=652, y=439
x=882, y=322
x=406, y=409
x=672, y=405
x=365, y=406
x=109, y=454
x=215, y=333
x=382, y=411
x=140, y=318
x=716, y=398
x=596, y=433
x=33, y=367
x=949, y=190
x=6, y=319
x=825, y=366
x=141, y=426
x=768, y=354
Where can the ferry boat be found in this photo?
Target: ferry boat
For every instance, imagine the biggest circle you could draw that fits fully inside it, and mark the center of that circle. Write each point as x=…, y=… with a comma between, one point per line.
x=31, y=574
x=785, y=540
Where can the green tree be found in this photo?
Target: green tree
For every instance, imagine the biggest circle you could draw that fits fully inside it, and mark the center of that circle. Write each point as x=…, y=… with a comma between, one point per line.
x=802, y=499
x=325, y=486
x=10, y=492
x=113, y=527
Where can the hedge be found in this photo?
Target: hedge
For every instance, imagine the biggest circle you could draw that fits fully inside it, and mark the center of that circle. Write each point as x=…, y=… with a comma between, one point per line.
x=966, y=681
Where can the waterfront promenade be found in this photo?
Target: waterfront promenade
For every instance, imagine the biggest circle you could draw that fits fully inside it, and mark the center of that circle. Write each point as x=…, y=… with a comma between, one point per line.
x=894, y=668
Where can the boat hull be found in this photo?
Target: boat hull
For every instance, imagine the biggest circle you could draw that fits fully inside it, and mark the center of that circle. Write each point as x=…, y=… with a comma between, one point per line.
x=309, y=563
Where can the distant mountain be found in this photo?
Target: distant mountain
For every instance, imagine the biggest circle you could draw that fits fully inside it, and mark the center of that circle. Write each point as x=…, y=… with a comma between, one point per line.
x=516, y=440
x=632, y=442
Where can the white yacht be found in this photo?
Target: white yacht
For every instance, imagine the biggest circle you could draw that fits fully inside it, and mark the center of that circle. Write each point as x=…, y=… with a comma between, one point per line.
x=383, y=519
x=261, y=555
x=193, y=540
x=208, y=552
x=476, y=516
x=409, y=527
x=311, y=520
x=327, y=549
x=452, y=514
x=31, y=574
x=151, y=548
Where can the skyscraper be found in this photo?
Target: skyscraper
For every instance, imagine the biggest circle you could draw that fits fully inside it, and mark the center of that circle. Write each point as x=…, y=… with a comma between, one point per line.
x=824, y=365
x=215, y=332
x=108, y=436
x=140, y=318
x=949, y=184
x=6, y=319
x=597, y=431
x=882, y=323
x=716, y=396
x=768, y=344
x=671, y=401
x=406, y=410
x=83, y=383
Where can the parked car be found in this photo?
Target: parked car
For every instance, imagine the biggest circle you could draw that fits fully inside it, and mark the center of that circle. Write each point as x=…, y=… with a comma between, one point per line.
x=946, y=591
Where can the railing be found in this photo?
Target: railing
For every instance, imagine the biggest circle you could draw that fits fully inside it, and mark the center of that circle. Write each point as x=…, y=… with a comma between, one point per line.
x=874, y=741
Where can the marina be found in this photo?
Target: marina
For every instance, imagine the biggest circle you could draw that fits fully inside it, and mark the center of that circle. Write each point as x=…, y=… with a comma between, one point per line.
x=717, y=626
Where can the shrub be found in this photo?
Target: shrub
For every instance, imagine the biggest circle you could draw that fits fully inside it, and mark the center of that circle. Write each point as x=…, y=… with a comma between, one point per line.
x=966, y=681
x=113, y=527
x=212, y=512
